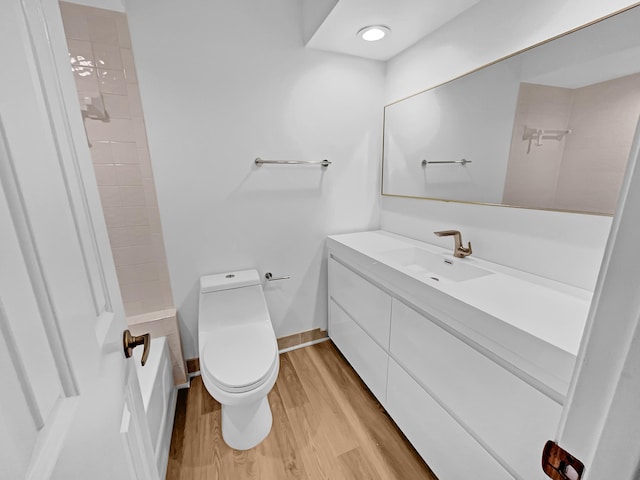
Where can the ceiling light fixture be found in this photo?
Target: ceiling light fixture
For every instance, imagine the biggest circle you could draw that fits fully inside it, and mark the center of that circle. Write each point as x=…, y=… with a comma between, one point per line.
x=373, y=33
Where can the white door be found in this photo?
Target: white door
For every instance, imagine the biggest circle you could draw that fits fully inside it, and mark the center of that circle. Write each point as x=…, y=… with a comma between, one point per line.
x=601, y=420
x=70, y=406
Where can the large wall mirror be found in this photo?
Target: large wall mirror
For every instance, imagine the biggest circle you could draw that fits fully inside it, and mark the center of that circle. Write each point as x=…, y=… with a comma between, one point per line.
x=548, y=128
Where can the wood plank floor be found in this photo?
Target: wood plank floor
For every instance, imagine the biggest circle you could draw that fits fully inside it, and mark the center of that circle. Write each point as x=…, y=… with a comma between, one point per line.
x=326, y=425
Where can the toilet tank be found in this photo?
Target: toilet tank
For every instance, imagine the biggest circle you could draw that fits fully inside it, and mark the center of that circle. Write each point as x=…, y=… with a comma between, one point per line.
x=231, y=298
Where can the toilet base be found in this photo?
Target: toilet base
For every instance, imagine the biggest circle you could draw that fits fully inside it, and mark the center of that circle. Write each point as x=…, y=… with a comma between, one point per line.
x=245, y=426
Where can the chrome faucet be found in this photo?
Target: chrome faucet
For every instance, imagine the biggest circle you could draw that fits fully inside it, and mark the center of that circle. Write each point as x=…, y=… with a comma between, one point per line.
x=458, y=250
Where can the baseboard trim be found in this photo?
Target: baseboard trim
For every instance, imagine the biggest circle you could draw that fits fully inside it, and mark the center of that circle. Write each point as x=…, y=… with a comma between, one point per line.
x=301, y=338
x=302, y=345
x=188, y=383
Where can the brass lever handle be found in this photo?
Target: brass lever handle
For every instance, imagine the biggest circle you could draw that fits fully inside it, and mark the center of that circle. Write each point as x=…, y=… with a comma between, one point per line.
x=465, y=251
x=129, y=342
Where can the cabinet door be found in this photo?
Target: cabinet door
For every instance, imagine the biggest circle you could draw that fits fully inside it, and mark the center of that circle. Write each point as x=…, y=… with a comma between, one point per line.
x=365, y=356
x=446, y=447
x=369, y=306
x=511, y=418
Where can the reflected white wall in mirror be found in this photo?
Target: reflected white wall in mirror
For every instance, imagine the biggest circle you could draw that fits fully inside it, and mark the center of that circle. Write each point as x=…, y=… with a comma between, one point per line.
x=459, y=120
x=584, y=82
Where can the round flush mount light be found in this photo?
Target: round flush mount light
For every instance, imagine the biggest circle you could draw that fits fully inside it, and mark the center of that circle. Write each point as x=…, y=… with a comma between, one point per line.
x=373, y=33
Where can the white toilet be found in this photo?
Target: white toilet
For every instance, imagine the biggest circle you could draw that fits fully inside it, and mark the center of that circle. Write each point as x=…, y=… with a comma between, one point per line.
x=238, y=354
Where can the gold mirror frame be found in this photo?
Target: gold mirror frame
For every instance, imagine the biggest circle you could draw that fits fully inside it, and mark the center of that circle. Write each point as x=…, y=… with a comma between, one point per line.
x=466, y=74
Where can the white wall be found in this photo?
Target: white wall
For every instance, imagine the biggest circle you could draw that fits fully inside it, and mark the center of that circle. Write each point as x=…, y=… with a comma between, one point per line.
x=561, y=246
x=314, y=12
x=486, y=32
x=222, y=83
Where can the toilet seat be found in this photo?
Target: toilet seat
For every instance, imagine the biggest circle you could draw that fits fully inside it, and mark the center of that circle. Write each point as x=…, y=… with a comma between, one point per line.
x=240, y=358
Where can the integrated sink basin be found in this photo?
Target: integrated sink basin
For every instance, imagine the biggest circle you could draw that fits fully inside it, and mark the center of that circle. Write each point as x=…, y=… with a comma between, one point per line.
x=435, y=267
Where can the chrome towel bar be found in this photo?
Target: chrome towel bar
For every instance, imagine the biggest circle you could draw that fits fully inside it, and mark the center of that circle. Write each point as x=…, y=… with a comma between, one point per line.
x=259, y=161
x=462, y=162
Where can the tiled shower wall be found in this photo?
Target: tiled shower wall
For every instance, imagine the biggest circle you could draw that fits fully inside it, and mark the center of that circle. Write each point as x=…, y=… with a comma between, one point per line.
x=604, y=117
x=532, y=171
x=105, y=75
x=583, y=171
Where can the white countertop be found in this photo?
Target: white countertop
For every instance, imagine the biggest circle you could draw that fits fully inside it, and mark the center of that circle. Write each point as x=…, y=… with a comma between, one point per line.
x=551, y=311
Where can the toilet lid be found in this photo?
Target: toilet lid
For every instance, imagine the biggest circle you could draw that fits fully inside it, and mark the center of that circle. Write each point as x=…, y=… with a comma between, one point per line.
x=241, y=356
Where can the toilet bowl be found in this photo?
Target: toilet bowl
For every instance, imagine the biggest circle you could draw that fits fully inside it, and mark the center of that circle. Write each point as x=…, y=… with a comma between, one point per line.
x=238, y=350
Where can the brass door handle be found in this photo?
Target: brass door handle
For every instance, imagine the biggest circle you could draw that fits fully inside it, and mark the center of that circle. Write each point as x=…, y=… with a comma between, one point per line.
x=129, y=342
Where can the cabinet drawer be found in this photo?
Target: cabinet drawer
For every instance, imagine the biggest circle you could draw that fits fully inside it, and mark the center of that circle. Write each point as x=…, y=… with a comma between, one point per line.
x=369, y=306
x=512, y=418
x=364, y=355
x=446, y=447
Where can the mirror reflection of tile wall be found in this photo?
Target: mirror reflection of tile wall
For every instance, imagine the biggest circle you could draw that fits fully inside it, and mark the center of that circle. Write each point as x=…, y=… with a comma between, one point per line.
x=107, y=86
x=577, y=171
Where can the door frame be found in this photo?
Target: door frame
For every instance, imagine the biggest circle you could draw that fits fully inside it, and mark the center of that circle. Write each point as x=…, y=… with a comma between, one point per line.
x=599, y=423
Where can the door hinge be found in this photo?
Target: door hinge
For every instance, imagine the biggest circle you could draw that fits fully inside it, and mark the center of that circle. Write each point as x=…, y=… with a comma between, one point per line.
x=559, y=464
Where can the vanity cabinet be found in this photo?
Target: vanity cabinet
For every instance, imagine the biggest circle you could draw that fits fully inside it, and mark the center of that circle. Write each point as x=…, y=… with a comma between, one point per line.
x=465, y=413
x=444, y=444
x=359, y=323
x=509, y=418
x=369, y=306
